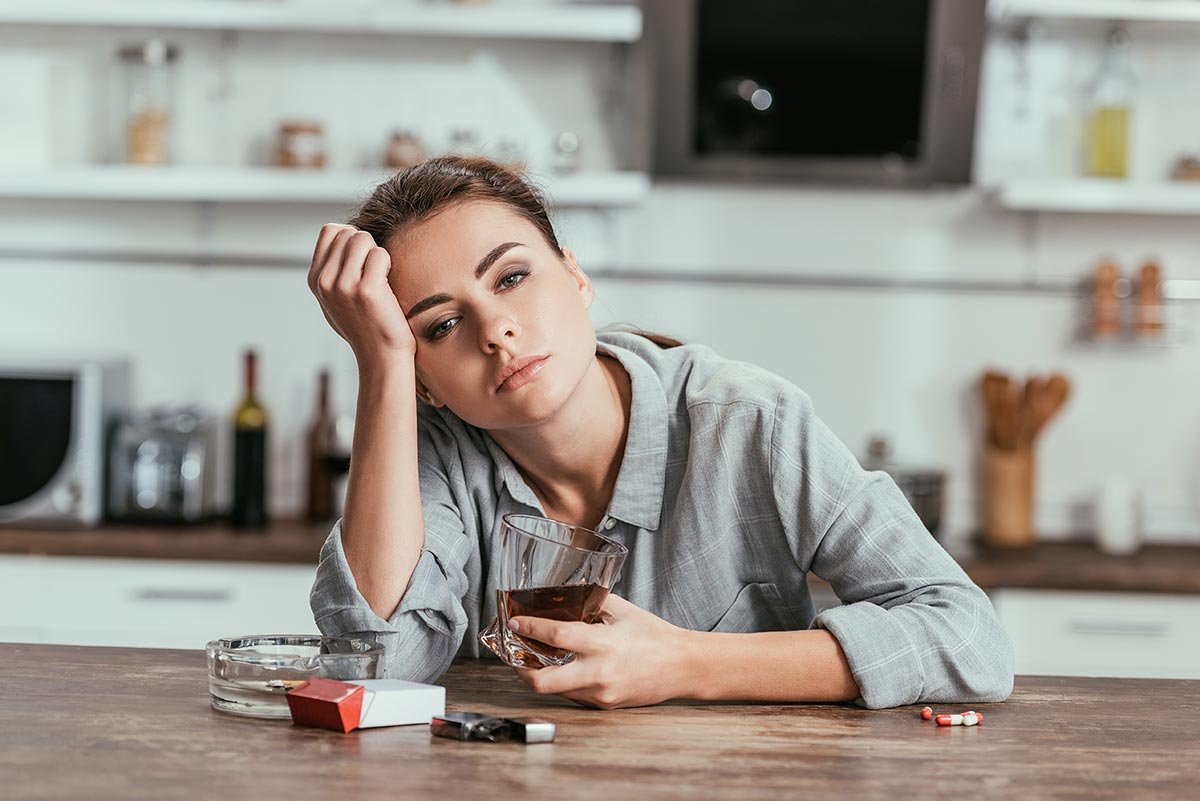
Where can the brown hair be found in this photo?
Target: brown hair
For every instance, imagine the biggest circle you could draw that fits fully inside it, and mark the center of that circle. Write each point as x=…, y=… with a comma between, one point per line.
x=418, y=193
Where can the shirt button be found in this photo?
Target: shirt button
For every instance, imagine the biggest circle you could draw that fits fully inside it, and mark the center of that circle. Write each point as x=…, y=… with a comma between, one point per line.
x=610, y=523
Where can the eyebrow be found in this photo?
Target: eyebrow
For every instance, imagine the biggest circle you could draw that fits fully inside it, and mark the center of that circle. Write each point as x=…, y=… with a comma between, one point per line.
x=481, y=269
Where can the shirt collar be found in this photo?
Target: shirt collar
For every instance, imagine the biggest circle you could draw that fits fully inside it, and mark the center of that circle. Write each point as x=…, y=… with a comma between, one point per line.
x=638, y=495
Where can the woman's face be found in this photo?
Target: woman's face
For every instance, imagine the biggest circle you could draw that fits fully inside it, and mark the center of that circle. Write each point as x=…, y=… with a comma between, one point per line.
x=481, y=289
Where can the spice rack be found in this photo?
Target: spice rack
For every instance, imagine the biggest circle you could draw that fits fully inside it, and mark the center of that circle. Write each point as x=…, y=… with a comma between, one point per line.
x=1120, y=320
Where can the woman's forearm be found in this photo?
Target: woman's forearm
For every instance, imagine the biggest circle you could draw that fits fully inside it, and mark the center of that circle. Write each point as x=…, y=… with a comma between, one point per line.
x=767, y=666
x=383, y=528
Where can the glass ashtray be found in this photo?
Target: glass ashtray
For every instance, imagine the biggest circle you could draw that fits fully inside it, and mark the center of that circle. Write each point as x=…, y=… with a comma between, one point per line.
x=251, y=675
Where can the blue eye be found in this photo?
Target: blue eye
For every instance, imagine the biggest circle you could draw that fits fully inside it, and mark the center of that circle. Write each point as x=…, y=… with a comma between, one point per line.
x=439, y=330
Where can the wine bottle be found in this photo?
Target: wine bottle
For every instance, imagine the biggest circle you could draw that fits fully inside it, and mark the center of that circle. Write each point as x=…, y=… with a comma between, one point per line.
x=320, y=440
x=249, y=455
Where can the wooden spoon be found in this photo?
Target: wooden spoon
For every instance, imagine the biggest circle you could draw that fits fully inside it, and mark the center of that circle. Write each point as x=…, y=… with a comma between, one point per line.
x=993, y=385
x=1004, y=409
x=1058, y=390
x=1048, y=398
x=1031, y=403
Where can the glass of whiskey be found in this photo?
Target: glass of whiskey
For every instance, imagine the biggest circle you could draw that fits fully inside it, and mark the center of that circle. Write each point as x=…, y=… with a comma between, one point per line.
x=550, y=570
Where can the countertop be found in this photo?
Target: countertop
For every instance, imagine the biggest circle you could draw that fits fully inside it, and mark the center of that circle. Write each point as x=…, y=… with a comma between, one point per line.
x=115, y=723
x=1050, y=565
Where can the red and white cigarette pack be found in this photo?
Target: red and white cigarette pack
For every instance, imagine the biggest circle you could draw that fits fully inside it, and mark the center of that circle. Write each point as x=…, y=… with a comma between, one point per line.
x=365, y=704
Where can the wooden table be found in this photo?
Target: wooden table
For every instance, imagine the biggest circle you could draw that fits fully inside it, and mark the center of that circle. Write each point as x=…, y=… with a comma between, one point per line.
x=113, y=723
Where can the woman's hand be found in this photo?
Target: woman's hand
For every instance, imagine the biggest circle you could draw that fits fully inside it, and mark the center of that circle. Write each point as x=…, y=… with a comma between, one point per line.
x=349, y=275
x=632, y=658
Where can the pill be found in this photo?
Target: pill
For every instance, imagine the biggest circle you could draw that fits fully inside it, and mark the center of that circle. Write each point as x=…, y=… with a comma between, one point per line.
x=926, y=713
x=970, y=719
x=949, y=720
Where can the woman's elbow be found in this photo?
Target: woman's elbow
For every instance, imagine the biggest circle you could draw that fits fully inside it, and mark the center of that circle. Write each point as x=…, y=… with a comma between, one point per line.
x=990, y=677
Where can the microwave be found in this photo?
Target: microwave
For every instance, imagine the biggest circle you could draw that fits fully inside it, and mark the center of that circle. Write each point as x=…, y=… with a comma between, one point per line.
x=875, y=92
x=55, y=420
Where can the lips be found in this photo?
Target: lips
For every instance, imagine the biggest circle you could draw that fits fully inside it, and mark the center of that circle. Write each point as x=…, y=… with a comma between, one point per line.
x=520, y=371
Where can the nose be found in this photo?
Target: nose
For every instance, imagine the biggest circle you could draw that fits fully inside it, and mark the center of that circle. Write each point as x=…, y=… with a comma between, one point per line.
x=498, y=331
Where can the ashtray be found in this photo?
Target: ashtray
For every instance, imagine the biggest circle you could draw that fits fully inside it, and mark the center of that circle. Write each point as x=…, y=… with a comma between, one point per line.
x=251, y=675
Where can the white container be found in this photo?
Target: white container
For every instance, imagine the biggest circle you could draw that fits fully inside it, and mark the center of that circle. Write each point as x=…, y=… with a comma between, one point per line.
x=1118, y=517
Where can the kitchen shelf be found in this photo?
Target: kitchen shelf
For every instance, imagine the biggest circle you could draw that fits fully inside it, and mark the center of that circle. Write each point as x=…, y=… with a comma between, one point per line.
x=500, y=20
x=277, y=185
x=1123, y=10
x=1101, y=196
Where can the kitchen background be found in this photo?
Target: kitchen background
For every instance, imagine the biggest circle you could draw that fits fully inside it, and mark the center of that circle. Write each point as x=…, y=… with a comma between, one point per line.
x=885, y=304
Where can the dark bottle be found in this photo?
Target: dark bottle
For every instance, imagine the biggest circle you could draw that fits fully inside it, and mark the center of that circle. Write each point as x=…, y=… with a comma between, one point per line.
x=249, y=456
x=320, y=440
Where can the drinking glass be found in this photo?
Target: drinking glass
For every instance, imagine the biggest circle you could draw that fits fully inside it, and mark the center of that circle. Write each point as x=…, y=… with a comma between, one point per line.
x=550, y=570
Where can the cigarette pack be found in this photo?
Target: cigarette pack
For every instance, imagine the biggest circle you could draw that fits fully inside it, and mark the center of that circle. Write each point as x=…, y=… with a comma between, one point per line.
x=327, y=704
x=392, y=702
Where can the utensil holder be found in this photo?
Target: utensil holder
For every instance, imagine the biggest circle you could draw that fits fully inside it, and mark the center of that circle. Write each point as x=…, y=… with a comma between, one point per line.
x=1008, y=497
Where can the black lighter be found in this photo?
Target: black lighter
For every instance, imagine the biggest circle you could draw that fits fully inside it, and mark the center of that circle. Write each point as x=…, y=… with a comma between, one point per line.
x=489, y=728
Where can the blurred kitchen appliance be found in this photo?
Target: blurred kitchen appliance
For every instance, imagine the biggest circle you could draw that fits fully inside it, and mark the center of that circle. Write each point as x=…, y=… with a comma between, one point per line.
x=162, y=466
x=924, y=488
x=54, y=417
x=861, y=91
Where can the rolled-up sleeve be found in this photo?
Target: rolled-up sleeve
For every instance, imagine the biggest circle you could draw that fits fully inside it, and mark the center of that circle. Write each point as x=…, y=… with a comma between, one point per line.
x=426, y=630
x=913, y=626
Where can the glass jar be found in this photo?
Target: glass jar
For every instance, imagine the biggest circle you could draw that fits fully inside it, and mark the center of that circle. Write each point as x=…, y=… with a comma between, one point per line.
x=149, y=100
x=300, y=143
x=1110, y=108
x=510, y=152
x=566, y=153
x=464, y=142
x=404, y=150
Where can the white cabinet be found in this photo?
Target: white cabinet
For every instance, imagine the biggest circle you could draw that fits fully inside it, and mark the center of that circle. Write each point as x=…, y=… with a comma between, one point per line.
x=152, y=603
x=1138, y=635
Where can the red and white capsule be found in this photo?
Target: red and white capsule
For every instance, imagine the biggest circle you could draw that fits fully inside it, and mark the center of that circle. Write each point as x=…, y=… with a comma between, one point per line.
x=926, y=714
x=969, y=718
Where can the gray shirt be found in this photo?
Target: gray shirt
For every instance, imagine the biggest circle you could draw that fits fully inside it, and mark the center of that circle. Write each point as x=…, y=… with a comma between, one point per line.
x=730, y=491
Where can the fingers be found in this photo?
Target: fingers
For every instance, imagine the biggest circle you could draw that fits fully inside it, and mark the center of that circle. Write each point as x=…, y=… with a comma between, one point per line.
x=325, y=239
x=376, y=267
x=572, y=635
x=354, y=257
x=560, y=680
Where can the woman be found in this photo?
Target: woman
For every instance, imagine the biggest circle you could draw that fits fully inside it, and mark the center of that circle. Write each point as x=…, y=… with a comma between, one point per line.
x=451, y=287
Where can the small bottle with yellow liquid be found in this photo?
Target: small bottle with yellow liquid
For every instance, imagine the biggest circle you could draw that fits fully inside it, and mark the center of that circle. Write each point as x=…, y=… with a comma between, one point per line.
x=1110, y=110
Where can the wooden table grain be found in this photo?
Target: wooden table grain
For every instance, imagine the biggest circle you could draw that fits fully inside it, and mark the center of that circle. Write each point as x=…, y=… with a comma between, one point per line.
x=116, y=723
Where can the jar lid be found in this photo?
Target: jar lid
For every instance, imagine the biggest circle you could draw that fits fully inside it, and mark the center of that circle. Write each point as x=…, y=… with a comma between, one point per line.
x=301, y=126
x=154, y=52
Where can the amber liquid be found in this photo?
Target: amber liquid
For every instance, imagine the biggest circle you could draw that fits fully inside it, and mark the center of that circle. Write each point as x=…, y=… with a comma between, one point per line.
x=575, y=602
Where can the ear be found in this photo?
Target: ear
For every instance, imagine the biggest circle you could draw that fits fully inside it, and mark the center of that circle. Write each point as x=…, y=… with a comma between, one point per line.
x=582, y=282
x=423, y=394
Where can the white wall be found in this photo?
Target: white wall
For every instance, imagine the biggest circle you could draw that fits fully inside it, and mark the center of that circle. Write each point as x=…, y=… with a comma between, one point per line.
x=900, y=361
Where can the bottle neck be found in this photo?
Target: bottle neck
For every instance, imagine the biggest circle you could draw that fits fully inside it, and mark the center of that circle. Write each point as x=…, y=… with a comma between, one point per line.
x=323, y=394
x=251, y=373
